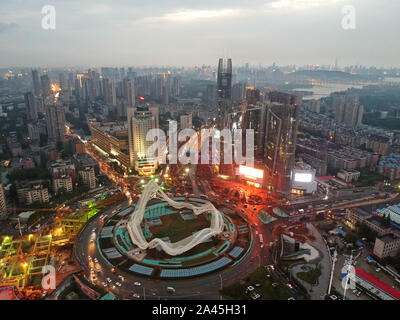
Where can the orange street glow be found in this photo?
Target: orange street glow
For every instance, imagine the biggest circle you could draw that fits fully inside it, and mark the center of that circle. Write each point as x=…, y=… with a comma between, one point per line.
x=251, y=173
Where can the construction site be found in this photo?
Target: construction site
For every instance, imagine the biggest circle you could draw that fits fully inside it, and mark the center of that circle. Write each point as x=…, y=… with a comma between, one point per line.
x=25, y=251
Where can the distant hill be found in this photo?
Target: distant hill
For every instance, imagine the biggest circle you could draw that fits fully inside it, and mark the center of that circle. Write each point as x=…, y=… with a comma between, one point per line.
x=325, y=75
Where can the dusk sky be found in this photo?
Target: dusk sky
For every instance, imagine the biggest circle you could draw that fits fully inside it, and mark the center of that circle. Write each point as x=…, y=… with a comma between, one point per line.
x=192, y=32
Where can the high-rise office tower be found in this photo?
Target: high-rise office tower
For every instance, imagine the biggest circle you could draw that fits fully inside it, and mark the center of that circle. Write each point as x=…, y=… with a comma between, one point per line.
x=224, y=92
x=36, y=83
x=31, y=109
x=45, y=83
x=140, y=122
x=143, y=121
x=55, y=121
x=224, y=79
x=280, y=140
x=130, y=114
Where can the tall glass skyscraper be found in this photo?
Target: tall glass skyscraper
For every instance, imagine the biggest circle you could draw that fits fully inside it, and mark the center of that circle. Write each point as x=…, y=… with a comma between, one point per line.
x=280, y=140
x=224, y=91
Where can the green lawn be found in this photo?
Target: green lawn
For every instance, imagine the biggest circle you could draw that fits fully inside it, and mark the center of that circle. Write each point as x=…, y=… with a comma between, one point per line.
x=310, y=276
x=174, y=227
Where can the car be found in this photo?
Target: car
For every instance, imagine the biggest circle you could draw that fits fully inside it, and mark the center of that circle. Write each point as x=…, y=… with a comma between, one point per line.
x=378, y=269
x=96, y=260
x=90, y=258
x=250, y=289
x=118, y=284
x=333, y=297
x=355, y=291
x=135, y=295
x=291, y=298
x=137, y=283
x=98, y=270
x=170, y=290
x=108, y=280
x=104, y=284
x=254, y=296
x=121, y=278
x=358, y=293
x=257, y=285
x=290, y=286
x=274, y=284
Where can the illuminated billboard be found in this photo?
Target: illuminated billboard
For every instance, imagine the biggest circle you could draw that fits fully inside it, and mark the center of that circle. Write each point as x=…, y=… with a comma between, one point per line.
x=303, y=177
x=251, y=173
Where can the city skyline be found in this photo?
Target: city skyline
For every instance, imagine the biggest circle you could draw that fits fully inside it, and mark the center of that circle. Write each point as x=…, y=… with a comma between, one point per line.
x=189, y=33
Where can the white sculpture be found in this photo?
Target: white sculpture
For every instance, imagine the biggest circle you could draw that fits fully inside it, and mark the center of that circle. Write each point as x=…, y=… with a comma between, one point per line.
x=179, y=247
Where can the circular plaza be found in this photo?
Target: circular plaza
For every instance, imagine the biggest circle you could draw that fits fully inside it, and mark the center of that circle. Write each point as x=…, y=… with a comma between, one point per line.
x=172, y=237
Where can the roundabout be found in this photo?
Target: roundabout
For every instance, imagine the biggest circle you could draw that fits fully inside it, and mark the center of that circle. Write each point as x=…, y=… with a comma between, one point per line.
x=164, y=237
x=209, y=247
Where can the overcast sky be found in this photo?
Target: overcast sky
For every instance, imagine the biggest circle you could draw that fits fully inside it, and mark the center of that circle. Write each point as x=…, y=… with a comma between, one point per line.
x=196, y=32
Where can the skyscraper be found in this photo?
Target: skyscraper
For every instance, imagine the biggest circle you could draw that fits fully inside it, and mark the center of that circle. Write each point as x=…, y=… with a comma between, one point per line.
x=140, y=122
x=224, y=92
x=280, y=140
x=55, y=121
x=224, y=79
x=45, y=83
x=36, y=83
x=31, y=109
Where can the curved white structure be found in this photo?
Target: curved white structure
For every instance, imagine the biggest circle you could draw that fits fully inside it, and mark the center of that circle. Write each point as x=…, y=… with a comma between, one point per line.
x=177, y=248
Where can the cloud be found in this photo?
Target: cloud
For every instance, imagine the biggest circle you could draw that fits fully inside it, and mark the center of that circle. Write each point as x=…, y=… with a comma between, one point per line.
x=186, y=15
x=6, y=27
x=300, y=4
